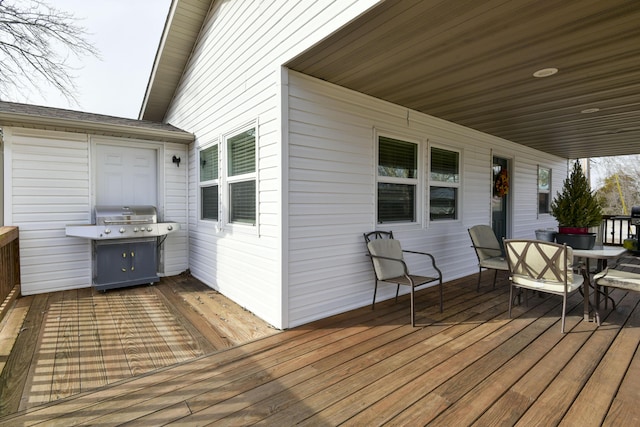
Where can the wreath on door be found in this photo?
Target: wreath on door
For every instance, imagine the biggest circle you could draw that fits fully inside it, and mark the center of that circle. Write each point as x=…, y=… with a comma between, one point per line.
x=501, y=184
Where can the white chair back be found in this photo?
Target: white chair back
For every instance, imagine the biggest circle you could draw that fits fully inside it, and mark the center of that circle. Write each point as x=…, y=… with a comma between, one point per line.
x=386, y=269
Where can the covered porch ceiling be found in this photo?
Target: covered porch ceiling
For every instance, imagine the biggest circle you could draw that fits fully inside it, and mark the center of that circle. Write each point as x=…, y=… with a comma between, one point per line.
x=472, y=63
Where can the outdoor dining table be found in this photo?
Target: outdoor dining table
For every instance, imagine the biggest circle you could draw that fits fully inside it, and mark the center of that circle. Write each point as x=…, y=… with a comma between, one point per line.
x=602, y=254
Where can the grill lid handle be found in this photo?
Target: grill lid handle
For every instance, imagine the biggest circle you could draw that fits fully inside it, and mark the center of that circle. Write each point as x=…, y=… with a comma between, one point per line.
x=128, y=221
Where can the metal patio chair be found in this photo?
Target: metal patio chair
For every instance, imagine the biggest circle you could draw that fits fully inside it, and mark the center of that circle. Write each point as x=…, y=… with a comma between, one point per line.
x=624, y=275
x=389, y=266
x=488, y=250
x=543, y=267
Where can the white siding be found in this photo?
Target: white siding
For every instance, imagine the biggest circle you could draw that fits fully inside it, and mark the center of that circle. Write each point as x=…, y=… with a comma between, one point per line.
x=305, y=260
x=234, y=78
x=332, y=194
x=49, y=188
x=174, y=259
x=50, y=184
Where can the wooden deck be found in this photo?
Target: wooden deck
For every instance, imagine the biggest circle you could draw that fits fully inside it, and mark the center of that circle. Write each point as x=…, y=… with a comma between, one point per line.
x=470, y=365
x=79, y=340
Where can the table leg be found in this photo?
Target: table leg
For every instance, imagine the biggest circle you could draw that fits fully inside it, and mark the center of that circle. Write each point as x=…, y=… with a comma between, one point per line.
x=586, y=285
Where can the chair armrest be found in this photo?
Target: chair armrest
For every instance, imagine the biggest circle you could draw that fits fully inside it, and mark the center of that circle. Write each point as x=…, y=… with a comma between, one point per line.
x=433, y=261
x=624, y=263
x=488, y=249
x=631, y=268
x=578, y=265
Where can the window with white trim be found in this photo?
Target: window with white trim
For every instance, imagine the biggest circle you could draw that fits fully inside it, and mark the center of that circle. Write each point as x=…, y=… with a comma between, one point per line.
x=241, y=177
x=544, y=190
x=444, y=184
x=397, y=180
x=209, y=183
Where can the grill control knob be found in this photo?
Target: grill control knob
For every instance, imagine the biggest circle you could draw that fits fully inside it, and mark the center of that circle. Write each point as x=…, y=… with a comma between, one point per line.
x=122, y=230
x=107, y=231
x=135, y=229
x=149, y=229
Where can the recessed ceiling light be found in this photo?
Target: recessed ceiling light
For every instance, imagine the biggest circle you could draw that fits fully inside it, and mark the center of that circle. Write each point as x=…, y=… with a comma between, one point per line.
x=590, y=110
x=545, y=72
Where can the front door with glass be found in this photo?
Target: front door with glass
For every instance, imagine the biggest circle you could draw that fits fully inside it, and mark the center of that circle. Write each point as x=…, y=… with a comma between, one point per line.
x=500, y=197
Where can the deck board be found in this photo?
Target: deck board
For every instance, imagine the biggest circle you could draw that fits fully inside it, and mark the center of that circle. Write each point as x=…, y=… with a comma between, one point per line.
x=550, y=407
x=85, y=339
x=538, y=365
x=18, y=366
x=10, y=327
x=623, y=411
x=519, y=379
x=144, y=309
x=132, y=338
x=179, y=344
x=196, y=304
x=91, y=362
x=596, y=396
x=422, y=395
x=115, y=366
x=198, y=328
x=471, y=365
x=66, y=361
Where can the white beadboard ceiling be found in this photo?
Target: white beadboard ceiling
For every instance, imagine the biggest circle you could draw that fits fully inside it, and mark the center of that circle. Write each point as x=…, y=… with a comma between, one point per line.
x=472, y=62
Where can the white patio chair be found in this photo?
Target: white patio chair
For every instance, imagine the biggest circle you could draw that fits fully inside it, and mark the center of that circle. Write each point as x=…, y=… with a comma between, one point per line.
x=624, y=275
x=543, y=267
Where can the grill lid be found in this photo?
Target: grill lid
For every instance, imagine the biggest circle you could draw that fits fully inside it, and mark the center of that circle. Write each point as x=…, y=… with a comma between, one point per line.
x=142, y=214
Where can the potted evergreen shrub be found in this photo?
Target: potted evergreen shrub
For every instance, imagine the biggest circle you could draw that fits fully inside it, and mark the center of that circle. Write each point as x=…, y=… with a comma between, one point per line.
x=576, y=209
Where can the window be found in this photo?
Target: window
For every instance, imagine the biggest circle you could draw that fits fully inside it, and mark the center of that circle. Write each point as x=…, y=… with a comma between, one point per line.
x=444, y=184
x=544, y=190
x=241, y=177
x=397, y=180
x=209, y=183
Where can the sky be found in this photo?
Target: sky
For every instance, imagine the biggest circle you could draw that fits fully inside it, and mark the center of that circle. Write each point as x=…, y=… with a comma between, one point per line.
x=127, y=34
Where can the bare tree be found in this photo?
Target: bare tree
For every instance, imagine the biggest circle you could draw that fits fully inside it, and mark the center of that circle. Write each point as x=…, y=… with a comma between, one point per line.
x=37, y=42
x=618, y=186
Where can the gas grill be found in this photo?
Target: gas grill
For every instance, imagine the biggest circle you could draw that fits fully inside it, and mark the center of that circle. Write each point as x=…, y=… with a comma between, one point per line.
x=633, y=242
x=635, y=215
x=125, y=241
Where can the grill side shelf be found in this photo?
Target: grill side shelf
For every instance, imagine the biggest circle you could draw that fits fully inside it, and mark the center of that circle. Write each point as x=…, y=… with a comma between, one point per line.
x=121, y=231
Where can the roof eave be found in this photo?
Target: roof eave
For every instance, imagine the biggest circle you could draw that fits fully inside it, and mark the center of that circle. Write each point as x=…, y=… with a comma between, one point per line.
x=85, y=126
x=190, y=16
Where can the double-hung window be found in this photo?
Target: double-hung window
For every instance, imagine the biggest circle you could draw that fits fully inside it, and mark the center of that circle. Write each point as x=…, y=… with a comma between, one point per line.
x=444, y=184
x=544, y=190
x=209, y=183
x=241, y=177
x=397, y=181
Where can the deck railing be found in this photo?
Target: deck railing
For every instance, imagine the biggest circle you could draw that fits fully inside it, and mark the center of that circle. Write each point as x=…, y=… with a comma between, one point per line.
x=9, y=267
x=616, y=228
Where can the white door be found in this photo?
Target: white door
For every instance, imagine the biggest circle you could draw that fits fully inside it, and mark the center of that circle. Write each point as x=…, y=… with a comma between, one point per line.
x=126, y=175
